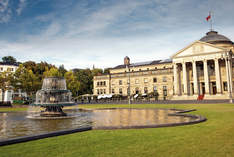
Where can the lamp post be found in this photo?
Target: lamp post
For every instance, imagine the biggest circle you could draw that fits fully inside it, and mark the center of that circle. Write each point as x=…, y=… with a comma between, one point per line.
x=129, y=90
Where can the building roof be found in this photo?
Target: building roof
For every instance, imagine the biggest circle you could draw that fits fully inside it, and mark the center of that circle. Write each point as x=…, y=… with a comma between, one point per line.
x=154, y=62
x=213, y=37
x=14, y=64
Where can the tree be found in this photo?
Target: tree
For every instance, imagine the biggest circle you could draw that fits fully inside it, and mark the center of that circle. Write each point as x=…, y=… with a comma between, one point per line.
x=85, y=77
x=26, y=80
x=72, y=84
x=53, y=72
x=30, y=65
x=106, y=71
x=9, y=60
x=96, y=72
x=62, y=70
x=5, y=82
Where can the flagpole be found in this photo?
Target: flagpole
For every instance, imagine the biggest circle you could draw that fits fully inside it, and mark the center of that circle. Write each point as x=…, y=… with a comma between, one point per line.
x=211, y=29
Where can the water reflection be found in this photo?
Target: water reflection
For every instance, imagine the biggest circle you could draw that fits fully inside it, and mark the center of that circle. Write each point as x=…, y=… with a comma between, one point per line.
x=121, y=118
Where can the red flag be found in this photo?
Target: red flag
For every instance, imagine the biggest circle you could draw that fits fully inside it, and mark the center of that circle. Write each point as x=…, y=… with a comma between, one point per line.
x=208, y=17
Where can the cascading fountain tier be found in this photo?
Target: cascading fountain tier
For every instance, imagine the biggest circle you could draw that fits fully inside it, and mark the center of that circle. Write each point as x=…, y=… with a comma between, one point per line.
x=53, y=97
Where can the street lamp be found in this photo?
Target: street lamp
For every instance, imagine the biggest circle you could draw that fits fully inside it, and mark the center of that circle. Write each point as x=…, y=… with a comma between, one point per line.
x=129, y=90
x=127, y=64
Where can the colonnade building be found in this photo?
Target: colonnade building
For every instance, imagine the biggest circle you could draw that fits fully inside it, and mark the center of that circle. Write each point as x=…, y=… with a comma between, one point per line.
x=201, y=70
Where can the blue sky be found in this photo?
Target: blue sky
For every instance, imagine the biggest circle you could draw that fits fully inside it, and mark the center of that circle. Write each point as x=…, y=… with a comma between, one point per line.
x=83, y=33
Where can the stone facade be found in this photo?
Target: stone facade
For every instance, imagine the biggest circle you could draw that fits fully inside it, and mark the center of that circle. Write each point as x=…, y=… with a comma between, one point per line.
x=203, y=70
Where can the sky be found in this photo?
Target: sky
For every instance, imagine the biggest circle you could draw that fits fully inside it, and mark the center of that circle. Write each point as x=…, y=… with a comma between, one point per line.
x=83, y=33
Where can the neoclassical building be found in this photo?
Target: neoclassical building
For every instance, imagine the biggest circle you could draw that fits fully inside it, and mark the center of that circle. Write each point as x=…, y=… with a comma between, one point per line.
x=201, y=70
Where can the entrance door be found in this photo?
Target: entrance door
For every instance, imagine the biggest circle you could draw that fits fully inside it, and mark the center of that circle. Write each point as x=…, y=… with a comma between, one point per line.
x=203, y=88
x=214, y=88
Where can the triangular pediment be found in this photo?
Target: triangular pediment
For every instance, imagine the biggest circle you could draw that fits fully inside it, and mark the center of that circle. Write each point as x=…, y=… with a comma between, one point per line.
x=198, y=48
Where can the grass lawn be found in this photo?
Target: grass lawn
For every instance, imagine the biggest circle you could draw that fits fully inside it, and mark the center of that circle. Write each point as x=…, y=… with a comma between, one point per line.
x=213, y=138
x=13, y=109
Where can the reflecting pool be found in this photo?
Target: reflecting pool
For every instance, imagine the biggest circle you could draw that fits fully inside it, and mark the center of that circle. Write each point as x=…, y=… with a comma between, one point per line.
x=17, y=124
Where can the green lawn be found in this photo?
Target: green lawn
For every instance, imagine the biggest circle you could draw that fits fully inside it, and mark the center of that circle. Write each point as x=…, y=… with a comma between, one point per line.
x=13, y=109
x=213, y=138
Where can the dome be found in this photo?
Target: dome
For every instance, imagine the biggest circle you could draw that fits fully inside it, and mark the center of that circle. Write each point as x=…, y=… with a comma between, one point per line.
x=213, y=37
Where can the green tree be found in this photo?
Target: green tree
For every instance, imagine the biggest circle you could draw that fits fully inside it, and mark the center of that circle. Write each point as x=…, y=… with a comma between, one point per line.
x=62, y=70
x=5, y=82
x=72, y=84
x=53, y=72
x=26, y=80
x=85, y=77
x=9, y=59
x=106, y=71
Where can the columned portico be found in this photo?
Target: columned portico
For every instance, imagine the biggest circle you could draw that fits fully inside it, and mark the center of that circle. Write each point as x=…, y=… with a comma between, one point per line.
x=201, y=65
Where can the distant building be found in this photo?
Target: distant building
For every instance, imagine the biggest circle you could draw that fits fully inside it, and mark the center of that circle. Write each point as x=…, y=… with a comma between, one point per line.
x=10, y=68
x=201, y=70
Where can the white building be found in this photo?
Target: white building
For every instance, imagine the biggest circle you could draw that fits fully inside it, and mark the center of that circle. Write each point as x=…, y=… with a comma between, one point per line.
x=11, y=68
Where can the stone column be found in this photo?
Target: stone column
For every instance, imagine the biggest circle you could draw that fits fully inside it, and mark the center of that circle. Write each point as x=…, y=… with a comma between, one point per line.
x=217, y=76
x=176, y=91
x=185, y=78
x=206, y=77
x=229, y=73
x=195, y=79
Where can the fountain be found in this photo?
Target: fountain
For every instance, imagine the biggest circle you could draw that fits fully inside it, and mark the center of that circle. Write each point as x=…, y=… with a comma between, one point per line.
x=53, y=97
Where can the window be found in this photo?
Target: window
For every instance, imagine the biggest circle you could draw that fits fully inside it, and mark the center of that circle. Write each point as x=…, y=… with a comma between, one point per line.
x=104, y=91
x=164, y=79
x=147, y=68
x=100, y=83
x=104, y=83
x=154, y=79
x=136, y=81
x=120, y=91
x=120, y=82
x=113, y=91
x=101, y=91
x=164, y=90
x=225, y=86
x=145, y=80
x=156, y=68
x=139, y=69
x=132, y=70
x=155, y=89
x=145, y=90
x=1, y=68
x=97, y=83
x=137, y=90
x=97, y=91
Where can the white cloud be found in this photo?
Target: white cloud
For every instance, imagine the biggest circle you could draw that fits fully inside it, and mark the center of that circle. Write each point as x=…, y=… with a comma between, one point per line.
x=21, y=6
x=5, y=12
x=80, y=38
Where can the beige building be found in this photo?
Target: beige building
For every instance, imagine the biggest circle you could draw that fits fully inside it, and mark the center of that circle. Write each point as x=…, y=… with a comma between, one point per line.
x=201, y=70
